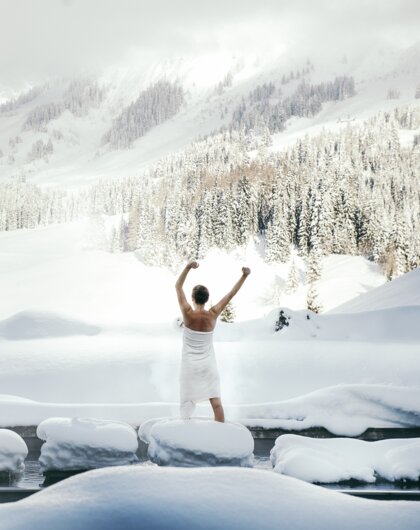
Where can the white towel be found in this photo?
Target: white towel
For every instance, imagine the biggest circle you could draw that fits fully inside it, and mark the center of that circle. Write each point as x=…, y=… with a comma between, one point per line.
x=199, y=378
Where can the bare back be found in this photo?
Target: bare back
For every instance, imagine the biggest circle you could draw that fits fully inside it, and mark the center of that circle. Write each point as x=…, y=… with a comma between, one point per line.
x=200, y=319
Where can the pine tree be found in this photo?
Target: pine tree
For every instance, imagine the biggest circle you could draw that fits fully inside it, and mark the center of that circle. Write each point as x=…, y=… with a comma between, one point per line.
x=292, y=282
x=312, y=299
x=228, y=314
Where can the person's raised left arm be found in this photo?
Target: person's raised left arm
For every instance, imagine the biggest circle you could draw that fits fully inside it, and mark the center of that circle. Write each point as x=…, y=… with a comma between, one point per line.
x=218, y=308
x=182, y=300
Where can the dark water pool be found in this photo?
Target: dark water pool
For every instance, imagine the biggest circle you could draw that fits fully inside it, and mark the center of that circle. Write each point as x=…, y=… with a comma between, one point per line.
x=32, y=480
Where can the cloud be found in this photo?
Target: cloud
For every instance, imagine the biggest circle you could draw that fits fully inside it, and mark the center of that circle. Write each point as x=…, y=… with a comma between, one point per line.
x=41, y=39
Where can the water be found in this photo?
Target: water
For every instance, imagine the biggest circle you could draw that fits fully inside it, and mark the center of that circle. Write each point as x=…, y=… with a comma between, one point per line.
x=33, y=479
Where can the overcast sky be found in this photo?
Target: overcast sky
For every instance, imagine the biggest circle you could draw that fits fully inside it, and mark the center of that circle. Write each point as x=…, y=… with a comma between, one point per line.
x=44, y=38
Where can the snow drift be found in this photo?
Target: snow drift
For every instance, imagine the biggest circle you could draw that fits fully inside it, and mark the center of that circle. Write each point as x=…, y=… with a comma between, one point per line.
x=185, y=499
x=42, y=324
x=403, y=291
x=340, y=459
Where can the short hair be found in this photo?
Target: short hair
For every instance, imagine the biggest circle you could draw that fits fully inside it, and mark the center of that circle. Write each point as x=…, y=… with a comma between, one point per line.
x=200, y=294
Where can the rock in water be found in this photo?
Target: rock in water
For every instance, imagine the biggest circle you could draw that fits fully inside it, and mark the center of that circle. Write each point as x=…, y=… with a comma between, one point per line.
x=13, y=451
x=85, y=443
x=190, y=443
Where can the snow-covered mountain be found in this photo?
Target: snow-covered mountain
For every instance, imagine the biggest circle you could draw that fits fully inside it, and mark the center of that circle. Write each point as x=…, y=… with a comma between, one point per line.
x=56, y=134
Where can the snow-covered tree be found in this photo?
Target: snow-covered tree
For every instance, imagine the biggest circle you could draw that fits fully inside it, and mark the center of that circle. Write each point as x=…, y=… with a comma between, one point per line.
x=228, y=313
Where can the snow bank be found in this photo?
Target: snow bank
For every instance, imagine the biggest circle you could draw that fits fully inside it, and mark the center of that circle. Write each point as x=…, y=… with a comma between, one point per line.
x=199, y=443
x=13, y=451
x=210, y=499
x=85, y=443
x=336, y=460
x=42, y=324
x=345, y=410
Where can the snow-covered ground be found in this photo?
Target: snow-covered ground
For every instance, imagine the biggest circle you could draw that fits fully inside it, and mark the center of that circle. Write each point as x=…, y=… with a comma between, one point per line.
x=83, y=331
x=85, y=443
x=340, y=459
x=209, y=499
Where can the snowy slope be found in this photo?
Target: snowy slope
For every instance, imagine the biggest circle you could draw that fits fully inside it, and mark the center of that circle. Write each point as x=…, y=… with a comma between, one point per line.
x=403, y=291
x=54, y=269
x=79, y=157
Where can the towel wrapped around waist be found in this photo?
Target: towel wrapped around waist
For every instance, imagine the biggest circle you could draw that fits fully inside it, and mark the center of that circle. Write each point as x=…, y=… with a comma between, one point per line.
x=199, y=379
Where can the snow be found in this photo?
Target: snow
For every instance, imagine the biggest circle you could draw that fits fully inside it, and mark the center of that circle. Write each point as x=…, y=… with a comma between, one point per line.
x=193, y=442
x=80, y=321
x=340, y=459
x=85, y=443
x=345, y=410
x=54, y=269
x=403, y=291
x=209, y=499
x=80, y=159
x=34, y=324
x=13, y=451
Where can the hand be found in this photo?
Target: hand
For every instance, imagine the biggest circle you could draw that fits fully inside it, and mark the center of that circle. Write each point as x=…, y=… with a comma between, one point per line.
x=246, y=271
x=192, y=265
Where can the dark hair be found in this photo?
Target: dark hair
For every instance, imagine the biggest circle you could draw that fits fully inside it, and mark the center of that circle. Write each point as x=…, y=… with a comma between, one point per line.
x=200, y=294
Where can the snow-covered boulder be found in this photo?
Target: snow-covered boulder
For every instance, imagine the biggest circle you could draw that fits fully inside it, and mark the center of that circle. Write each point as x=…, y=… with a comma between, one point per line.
x=198, y=442
x=13, y=451
x=339, y=459
x=85, y=443
x=133, y=497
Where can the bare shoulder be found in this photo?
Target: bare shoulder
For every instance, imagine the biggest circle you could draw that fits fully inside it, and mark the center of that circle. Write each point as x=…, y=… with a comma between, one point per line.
x=201, y=321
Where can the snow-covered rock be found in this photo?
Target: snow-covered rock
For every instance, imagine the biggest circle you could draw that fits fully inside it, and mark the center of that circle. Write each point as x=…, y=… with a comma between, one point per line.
x=13, y=451
x=209, y=499
x=85, y=443
x=340, y=459
x=198, y=443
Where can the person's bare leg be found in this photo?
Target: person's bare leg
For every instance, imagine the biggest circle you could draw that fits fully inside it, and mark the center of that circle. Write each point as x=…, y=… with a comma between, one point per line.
x=219, y=414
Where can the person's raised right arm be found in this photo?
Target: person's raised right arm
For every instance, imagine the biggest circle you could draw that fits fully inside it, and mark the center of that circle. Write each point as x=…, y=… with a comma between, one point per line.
x=218, y=308
x=182, y=300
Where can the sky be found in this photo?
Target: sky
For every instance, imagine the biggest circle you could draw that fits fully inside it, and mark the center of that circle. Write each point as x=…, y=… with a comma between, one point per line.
x=40, y=39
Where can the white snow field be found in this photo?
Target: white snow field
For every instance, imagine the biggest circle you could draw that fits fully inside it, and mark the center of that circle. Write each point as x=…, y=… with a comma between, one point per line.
x=190, y=443
x=206, y=498
x=88, y=333
x=55, y=269
x=13, y=451
x=85, y=443
x=341, y=459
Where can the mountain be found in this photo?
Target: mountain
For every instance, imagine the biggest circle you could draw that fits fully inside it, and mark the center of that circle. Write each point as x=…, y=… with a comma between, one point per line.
x=71, y=132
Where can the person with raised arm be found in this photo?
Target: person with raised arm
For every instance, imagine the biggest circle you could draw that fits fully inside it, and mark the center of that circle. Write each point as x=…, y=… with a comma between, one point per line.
x=199, y=378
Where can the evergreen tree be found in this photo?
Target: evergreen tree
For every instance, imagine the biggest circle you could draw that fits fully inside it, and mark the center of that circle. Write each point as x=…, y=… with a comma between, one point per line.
x=292, y=282
x=228, y=313
x=312, y=299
